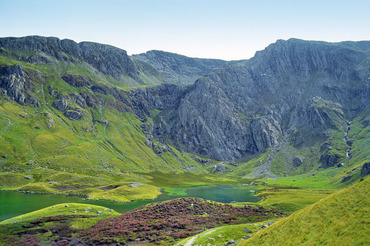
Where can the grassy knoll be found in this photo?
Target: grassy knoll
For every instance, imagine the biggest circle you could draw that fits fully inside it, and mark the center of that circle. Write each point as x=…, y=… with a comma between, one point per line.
x=63, y=209
x=339, y=219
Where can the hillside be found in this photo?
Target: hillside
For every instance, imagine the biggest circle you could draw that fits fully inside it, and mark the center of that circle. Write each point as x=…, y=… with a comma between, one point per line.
x=340, y=219
x=72, y=122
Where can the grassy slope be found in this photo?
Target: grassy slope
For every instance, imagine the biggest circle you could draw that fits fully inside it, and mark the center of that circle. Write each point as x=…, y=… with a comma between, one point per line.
x=340, y=219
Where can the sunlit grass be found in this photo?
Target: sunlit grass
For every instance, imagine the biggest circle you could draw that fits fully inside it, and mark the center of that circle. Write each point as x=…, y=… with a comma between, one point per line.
x=339, y=219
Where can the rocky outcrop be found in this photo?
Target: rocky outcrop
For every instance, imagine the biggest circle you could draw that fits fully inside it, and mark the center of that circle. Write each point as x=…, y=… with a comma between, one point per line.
x=75, y=114
x=78, y=99
x=76, y=80
x=14, y=83
x=220, y=168
x=329, y=159
x=63, y=105
x=365, y=169
x=13, y=80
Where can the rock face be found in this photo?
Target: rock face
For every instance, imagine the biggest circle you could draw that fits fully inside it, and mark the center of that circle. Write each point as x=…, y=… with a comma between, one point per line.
x=294, y=87
x=178, y=69
x=14, y=83
x=13, y=80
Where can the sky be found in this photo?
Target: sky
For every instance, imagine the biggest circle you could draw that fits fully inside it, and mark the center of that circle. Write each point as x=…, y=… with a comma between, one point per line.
x=224, y=29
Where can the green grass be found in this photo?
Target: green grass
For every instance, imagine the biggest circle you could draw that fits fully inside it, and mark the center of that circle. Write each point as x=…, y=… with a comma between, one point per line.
x=320, y=179
x=339, y=219
x=63, y=209
x=126, y=193
x=290, y=200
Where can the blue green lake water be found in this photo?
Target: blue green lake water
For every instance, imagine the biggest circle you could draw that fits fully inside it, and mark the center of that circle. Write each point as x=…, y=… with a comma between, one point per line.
x=16, y=203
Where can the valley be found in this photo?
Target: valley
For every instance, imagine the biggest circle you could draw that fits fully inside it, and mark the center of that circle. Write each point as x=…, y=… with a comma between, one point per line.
x=153, y=136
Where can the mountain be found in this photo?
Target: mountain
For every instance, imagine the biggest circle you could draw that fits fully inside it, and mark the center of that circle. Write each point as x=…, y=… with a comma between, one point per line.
x=295, y=94
x=178, y=69
x=87, y=113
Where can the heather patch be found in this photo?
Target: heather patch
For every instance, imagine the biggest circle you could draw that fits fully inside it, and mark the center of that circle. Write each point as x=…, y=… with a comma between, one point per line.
x=166, y=222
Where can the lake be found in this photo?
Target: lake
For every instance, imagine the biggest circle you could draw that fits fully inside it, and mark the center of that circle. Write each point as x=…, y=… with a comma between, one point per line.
x=16, y=203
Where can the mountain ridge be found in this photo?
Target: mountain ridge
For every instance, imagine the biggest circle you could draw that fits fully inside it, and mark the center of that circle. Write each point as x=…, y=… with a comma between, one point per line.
x=289, y=107
x=177, y=68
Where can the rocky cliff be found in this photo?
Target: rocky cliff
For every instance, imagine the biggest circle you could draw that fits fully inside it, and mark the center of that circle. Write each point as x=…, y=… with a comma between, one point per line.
x=296, y=88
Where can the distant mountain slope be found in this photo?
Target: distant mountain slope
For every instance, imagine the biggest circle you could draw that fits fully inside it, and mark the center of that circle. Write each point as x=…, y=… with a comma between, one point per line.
x=178, y=69
x=340, y=219
x=98, y=58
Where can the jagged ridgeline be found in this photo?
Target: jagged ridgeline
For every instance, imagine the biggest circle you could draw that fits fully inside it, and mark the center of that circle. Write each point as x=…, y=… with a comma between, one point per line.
x=92, y=112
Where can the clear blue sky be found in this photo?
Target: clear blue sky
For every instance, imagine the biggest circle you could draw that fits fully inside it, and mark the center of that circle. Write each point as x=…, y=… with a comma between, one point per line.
x=226, y=29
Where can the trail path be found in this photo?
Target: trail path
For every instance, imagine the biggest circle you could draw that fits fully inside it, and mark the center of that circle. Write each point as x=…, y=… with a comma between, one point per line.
x=191, y=240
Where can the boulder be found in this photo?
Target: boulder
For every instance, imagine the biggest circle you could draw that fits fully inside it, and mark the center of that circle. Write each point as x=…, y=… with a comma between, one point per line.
x=297, y=161
x=247, y=230
x=329, y=160
x=230, y=242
